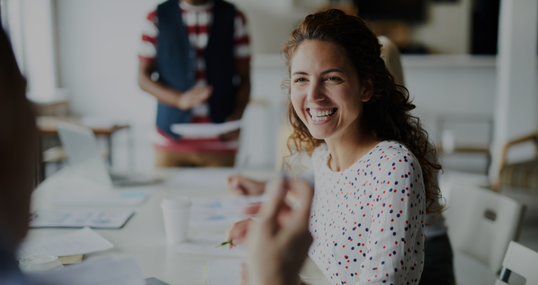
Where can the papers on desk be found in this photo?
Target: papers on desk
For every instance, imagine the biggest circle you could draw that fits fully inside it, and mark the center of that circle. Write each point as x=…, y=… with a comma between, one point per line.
x=205, y=244
x=110, y=219
x=208, y=177
x=223, y=271
x=78, y=242
x=220, y=211
x=103, y=271
x=101, y=198
x=202, y=131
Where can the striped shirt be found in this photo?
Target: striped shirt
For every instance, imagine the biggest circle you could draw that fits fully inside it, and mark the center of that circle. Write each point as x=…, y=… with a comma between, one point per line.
x=197, y=20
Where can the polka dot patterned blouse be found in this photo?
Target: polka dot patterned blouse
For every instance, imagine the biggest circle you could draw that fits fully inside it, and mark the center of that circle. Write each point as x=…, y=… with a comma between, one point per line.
x=367, y=221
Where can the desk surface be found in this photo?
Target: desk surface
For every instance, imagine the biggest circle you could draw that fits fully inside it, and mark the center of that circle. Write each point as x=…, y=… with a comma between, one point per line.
x=143, y=236
x=47, y=125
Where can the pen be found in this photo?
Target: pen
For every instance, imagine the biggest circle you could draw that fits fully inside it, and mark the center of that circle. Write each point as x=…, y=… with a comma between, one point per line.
x=224, y=243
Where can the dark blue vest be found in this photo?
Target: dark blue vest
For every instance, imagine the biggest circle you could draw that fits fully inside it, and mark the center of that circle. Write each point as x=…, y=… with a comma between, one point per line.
x=176, y=62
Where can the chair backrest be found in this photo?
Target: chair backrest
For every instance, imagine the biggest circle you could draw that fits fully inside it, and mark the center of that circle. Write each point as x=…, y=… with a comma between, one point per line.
x=481, y=223
x=391, y=55
x=520, y=260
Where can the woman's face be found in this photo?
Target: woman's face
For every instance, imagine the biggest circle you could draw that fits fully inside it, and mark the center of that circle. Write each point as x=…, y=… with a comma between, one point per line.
x=325, y=90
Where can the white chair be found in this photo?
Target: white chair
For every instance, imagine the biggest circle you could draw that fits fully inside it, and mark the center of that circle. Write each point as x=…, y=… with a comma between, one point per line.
x=481, y=224
x=520, y=260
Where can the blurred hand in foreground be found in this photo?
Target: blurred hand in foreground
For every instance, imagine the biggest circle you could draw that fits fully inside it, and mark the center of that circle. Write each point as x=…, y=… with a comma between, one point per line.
x=278, y=243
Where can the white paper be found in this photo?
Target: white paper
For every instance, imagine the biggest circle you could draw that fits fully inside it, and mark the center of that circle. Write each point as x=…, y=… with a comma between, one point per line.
x=109, y=219
x=207, y=177
x=103, y=271
x=205, y=244
x=220, y=211
x=101, y=198
x=208, y=130
x=223, y=271
x=82, y=241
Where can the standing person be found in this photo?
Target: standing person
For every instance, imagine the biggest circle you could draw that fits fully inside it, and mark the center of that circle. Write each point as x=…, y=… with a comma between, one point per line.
x=195, y=59
x=374, y=168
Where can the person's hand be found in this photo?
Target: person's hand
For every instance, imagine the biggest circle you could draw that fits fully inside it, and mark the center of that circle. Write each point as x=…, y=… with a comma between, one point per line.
x=237, y=232
x=278, y=244
x=193, y=97
x=240, y=185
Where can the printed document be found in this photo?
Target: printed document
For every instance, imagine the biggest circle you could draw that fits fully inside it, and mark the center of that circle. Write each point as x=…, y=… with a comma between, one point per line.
x=109, y=219
x=220, y=211
x=205, y=244
x=101, y=198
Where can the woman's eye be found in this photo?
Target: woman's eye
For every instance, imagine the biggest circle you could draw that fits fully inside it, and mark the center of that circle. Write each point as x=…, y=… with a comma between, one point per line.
x=332, y=78
x=298, y=80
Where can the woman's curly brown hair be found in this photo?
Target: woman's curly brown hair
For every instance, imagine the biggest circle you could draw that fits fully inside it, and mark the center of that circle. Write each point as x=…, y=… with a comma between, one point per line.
x=387, y=114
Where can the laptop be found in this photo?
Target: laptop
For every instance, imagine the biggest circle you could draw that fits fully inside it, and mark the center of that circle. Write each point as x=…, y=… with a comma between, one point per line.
x=84, y=157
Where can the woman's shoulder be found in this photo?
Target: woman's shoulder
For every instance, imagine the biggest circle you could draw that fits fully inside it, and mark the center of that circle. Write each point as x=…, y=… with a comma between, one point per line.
x=392, y=152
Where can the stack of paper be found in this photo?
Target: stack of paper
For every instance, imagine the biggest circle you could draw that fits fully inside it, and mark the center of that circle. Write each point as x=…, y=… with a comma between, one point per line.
x=78, y=242
x=110, y=219
x=223, y=272
x=208, y=130
x=103, y=271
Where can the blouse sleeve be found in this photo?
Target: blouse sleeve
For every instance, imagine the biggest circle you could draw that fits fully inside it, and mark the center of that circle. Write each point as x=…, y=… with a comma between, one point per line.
x=395, y=242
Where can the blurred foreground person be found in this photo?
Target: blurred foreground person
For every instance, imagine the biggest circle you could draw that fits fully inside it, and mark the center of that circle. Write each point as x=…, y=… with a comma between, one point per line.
x=18, y=146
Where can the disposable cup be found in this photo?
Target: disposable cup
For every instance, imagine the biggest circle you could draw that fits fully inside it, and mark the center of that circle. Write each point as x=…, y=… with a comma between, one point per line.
x=39, y=263
x=176, y=214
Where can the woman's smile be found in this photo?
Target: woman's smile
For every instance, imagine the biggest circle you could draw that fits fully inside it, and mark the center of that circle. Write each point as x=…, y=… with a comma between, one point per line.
x=321, y=115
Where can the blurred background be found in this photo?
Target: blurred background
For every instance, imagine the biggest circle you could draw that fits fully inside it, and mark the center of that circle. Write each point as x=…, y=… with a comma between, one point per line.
x=474, y=87
x=84, y=53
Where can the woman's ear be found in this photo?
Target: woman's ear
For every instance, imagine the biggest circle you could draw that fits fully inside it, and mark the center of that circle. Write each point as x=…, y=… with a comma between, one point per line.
x=367, y=90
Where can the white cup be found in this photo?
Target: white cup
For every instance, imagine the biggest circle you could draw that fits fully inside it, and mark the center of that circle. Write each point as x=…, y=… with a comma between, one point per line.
x=176, y=214
x=39, y=263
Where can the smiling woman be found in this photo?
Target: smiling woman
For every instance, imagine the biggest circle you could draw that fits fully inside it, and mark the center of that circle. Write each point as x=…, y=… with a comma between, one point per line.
x=374, y=167
x=334, y=61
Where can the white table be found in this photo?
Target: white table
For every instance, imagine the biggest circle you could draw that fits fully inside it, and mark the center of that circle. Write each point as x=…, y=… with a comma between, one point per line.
x=143, y=236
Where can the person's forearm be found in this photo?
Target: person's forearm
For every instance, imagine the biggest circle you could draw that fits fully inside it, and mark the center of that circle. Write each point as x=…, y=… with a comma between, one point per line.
x=164, y=94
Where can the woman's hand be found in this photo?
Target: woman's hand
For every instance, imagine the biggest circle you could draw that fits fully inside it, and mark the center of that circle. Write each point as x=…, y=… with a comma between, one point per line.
x=237, y=232
x=277, y=245
x=240, y=185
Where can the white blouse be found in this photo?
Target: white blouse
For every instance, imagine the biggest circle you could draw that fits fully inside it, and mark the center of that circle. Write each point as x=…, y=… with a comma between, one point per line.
x=367, y=221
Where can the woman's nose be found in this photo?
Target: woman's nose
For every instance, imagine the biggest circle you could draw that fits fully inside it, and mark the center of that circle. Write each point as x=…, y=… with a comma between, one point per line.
x=315, y=92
